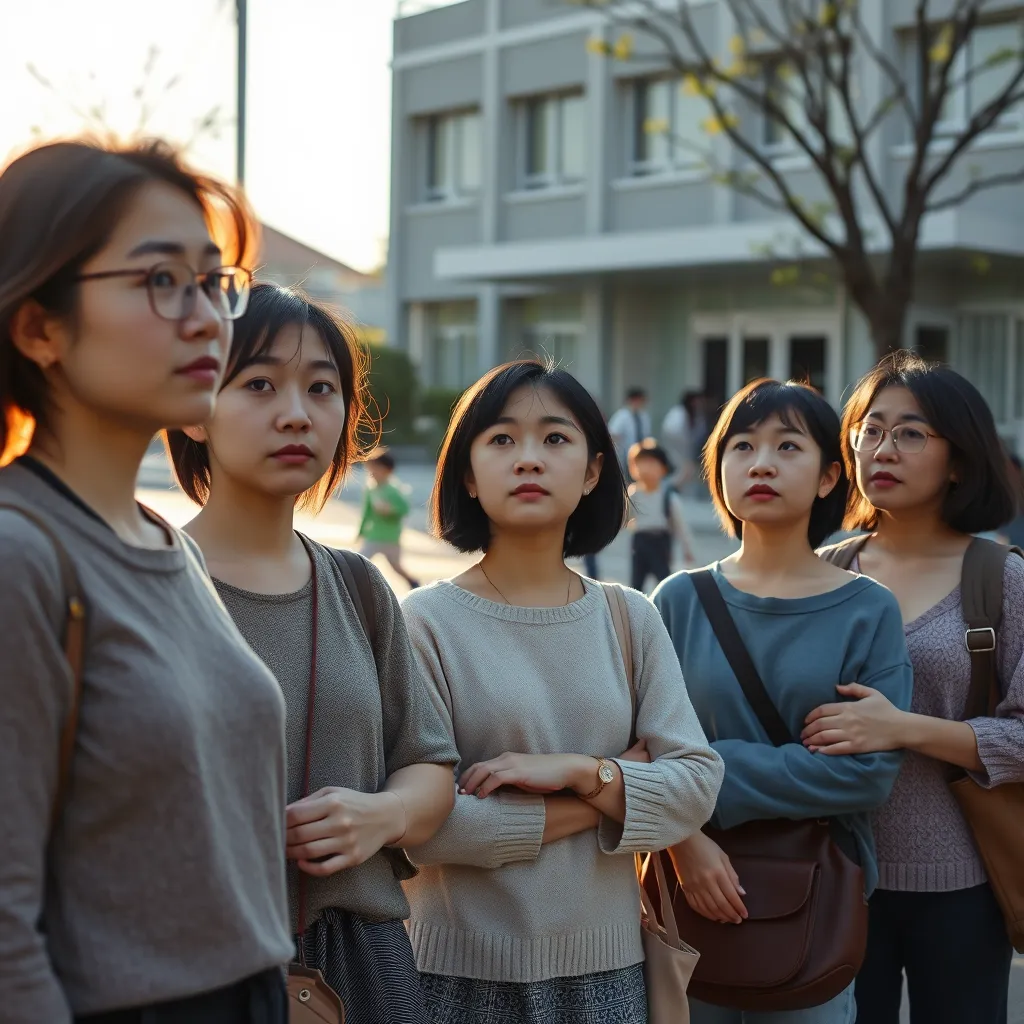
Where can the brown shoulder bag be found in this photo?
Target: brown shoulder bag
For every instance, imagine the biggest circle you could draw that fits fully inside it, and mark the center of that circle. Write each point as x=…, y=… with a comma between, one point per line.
x=996, y=815
x=806, y=933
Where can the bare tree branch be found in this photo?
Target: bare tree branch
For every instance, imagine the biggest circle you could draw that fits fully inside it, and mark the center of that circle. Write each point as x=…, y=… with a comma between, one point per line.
x=976, y=186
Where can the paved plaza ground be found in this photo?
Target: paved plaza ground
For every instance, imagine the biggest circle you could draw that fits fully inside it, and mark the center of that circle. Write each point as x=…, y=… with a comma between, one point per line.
x=430, y=559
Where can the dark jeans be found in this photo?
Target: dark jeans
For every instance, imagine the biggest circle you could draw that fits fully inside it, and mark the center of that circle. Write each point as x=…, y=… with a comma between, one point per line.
x=261, y=999
x=954, y=950
x=652, y=555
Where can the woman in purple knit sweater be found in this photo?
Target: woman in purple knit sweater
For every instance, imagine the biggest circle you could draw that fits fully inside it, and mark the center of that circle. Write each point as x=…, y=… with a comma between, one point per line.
x=930, y=472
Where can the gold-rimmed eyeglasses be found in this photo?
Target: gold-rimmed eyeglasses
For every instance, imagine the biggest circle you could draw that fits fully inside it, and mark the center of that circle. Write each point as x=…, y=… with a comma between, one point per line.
x=906, y=437
x=173, y=288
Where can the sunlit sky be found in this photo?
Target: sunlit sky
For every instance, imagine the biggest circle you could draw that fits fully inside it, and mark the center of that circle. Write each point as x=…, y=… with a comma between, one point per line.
x=318, y=97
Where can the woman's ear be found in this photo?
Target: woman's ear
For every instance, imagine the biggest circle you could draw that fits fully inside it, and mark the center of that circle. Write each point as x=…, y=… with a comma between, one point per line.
x=829, y=480
x=470, y=484
x=593, y=472
x=39, y=336
x=197, y=434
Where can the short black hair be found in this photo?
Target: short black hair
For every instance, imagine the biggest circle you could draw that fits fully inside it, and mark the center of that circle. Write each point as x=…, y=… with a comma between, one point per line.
x=650, y=449
x=460, y=520
x=983, y=497
x=382, y=456
x=798, y=406
x=273, y=308
x=635, y=393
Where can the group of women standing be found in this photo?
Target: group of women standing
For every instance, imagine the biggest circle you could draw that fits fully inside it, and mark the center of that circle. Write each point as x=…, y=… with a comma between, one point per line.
x=266, y=751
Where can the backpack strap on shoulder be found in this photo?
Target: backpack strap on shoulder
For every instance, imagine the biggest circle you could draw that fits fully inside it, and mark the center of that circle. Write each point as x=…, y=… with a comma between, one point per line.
x=360, y=589
x=620, y=621
x=844, y=553
x=981, y=600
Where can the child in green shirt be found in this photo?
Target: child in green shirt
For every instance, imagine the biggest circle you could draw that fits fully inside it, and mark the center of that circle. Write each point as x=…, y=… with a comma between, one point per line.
x=384, y=508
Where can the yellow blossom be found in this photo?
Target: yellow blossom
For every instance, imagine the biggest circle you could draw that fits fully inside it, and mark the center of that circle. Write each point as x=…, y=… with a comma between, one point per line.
x=598, y=46
x=623, y=48
x=827, y=15
x=693, y=86
x=656, y=126
x=942, y=49
x=717, y=125
x=737, y=46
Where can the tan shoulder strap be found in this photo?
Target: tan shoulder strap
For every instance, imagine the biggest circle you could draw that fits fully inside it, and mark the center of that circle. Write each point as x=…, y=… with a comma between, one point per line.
x=620, y=620
x=843, y=553
x=74, y=648
x=981, y=600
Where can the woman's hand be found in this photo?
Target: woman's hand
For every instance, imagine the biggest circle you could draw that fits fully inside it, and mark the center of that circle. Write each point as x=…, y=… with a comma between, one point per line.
x=532, y=773
x=869, y=724
x=335, y=828
x=638, y=753
x=711, y=886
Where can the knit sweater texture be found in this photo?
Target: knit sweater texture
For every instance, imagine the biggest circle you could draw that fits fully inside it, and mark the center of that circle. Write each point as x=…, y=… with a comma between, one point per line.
x=491, y=902
x=164, y=876
x=924, y=843
x=372, y=715
x=802, y=649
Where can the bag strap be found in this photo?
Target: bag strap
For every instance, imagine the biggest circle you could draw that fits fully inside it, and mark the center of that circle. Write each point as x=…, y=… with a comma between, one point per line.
x=620, y=620
x=738, y=656
x=844, y=553
x=981, y=600
x=360, y=589
x=73, y=641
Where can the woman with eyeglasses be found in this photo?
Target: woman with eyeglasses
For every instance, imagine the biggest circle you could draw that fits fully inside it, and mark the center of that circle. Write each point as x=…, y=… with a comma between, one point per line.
x=142, y=876
x=930, y=473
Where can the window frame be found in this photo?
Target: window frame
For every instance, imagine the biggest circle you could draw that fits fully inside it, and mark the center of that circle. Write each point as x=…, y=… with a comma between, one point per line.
x=554, y=175
x=453, y=189
x=677, y=158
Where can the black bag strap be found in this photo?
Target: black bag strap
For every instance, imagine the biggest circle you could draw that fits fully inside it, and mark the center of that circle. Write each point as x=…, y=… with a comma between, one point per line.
x=736, y=653
x=357, y=582
x=981, y=601
x=844, y=553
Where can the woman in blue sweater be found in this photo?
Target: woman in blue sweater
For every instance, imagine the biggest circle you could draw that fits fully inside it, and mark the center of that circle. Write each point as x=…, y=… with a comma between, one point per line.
x=774, y=467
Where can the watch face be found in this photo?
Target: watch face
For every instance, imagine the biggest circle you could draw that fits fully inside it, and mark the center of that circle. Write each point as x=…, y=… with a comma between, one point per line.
x=606, y=773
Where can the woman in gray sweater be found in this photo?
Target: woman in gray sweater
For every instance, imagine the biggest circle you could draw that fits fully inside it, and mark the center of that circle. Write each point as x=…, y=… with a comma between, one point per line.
x=148, y=883
x=526, y=908
x=930, y=472
x=359, y=715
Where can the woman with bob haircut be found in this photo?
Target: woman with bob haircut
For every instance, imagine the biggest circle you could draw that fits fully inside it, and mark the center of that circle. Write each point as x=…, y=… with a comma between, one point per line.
x=930, y=471
x=526, y=908
x=283, y=435
x=141, y=875
x=774, y=467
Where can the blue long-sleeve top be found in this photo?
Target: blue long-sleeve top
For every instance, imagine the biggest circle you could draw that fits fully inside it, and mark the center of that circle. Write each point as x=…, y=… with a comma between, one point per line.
x=802, y=648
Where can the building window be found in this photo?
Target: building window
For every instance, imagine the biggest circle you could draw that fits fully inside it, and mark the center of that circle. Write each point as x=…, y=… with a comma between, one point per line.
x=982, y=353
x=716, y=370
x=807, y=361
x=787, y=87
x=559, y=342
x=931, y=342
x=666, y=126
x=981, y=70
x=455, y=357
x=552, y=134
x=755, y=359
x=452, y=156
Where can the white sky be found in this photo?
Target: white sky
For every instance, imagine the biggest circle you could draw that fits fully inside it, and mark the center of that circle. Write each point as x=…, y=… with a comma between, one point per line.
x=319, y=103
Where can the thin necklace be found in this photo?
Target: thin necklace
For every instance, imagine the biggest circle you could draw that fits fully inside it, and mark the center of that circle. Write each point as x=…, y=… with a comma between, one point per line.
x=568, y=589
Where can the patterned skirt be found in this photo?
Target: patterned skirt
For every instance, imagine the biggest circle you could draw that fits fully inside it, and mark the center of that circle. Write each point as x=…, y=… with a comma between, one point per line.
x=369, y=964
x=610, y=997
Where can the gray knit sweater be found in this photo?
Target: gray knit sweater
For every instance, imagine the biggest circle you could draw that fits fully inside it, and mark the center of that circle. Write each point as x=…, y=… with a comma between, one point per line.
x=164, y=876
x=373, y=715
x=491, y=902
x=924, y=844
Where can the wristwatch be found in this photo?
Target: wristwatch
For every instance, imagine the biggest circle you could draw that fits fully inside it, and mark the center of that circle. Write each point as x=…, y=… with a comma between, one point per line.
x=605, y=774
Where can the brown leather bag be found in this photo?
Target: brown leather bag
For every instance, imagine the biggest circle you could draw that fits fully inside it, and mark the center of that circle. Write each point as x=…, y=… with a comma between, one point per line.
x=806, y=933
x=996, y=815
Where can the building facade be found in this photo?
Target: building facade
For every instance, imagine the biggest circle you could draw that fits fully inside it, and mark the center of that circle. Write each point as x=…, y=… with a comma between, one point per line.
x=532, y=212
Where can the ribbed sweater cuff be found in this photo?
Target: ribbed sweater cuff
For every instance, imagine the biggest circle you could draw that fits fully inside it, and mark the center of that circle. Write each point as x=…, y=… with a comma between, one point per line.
x=1001, y=758
x=521, y=828
x=645, y=811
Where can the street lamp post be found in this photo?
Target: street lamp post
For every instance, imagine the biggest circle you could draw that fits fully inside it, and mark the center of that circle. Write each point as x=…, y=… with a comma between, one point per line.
x=241, y=11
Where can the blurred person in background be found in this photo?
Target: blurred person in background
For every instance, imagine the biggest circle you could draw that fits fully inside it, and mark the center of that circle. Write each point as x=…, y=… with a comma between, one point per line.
x=630, y=425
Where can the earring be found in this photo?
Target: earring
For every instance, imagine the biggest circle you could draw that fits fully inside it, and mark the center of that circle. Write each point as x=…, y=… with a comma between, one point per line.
x=472, y=494
x=586, y=491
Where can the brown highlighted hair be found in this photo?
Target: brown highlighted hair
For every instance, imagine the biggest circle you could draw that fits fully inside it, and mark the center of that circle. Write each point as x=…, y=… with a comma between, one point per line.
x=983, y=497
x=271, y=310
x=59, y=205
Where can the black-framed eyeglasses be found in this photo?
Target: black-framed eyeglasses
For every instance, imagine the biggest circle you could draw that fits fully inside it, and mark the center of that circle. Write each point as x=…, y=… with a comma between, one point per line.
x=906, y=437
x=173, y=288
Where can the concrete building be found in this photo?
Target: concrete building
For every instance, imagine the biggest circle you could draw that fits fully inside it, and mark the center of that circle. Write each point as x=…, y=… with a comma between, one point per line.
x=287, y=261
x=532, y=212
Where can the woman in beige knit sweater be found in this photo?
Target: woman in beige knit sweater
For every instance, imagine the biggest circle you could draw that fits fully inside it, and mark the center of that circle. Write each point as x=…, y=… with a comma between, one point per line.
x=526, y=908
